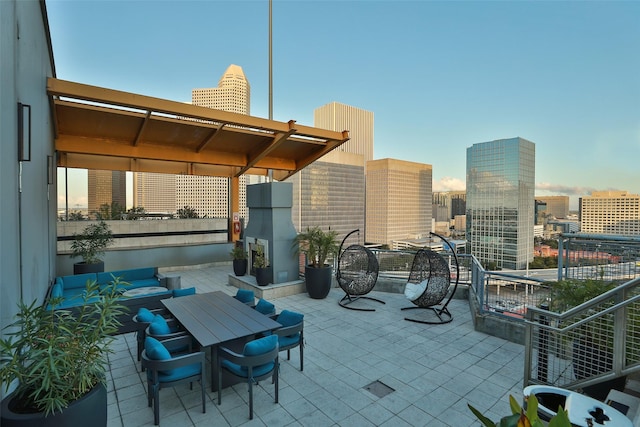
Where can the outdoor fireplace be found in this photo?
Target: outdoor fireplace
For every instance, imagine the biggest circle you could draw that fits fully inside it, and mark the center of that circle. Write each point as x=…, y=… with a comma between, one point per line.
x=270, y=226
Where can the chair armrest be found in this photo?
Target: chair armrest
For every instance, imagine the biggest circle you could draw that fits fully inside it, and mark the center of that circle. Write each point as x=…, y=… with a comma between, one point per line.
x=285, y=331
x=176, y=343
x=248, y=361
x=174, y=362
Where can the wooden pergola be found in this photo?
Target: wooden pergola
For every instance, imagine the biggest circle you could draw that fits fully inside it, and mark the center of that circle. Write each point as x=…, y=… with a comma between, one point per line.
x=99, y=128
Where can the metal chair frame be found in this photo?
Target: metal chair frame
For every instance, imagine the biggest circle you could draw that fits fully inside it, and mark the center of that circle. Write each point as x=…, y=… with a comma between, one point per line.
x=356, y=284
x=429, y=300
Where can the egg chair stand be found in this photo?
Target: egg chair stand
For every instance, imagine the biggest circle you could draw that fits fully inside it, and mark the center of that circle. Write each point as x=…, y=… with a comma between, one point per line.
x=356, y=274
x=432, y=269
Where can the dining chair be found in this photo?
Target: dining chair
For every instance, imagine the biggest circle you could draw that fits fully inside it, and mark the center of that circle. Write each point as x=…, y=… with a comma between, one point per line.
x=141, y=320
x=177, y=293
x=291, y=334
x=168, y=369
x=258, y=361
x=162, y=329
x=246, y=296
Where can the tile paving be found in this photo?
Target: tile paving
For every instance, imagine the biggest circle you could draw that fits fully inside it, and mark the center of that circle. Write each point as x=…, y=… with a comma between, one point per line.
x=434, y=370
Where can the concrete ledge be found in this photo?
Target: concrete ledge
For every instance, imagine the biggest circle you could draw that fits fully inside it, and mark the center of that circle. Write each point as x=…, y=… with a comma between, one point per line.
x=271, y=291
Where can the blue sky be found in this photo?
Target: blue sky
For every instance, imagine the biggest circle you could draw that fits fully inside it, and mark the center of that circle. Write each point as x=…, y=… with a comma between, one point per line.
x=438, y=76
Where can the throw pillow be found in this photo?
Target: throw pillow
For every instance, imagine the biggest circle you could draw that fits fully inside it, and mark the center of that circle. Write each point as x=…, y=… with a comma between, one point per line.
x=413, y=290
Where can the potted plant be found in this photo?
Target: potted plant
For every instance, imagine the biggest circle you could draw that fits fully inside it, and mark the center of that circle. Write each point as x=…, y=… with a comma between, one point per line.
x=524, y=417
x=239, y=256
x=261, y=266
x=59, y=360
x=318, y=246
x=90, y=246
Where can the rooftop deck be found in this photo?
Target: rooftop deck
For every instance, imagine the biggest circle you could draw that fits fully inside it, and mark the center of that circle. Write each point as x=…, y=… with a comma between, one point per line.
x=434, y=370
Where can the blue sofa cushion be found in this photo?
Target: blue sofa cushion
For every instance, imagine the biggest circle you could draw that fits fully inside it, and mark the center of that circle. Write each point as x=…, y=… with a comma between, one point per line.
x=159, y=326
x=184, y=292
x=130, y=275
x=79, y=281
x=56, y=290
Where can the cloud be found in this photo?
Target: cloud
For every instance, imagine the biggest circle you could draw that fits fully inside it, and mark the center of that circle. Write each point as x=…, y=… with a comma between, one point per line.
x=565, y=189
x=448, y=183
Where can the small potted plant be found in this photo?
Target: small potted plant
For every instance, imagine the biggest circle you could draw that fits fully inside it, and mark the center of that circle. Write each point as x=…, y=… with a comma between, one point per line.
x=261, y=266
x=90, y=246
x=59, y=360
x=318, y=246
x=239, y=256
x=524, y=417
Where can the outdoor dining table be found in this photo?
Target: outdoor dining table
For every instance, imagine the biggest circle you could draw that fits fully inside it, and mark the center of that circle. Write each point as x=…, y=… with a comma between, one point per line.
x=215, y=318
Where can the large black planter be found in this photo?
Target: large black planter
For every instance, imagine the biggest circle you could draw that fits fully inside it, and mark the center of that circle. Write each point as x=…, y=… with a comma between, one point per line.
x=240, y=267
x=263, y=276
x=90, y=410
x=318, y=281
x=83, y=267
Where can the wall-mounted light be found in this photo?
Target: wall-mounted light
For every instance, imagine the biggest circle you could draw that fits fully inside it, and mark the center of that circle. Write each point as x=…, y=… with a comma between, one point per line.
x=50, y=169
x=24, y=132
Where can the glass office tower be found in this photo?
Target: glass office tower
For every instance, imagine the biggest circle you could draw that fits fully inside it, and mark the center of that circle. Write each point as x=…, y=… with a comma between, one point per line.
x=500, y=202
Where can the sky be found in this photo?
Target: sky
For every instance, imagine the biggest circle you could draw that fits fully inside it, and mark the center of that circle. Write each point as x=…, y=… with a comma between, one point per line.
x=439, y=76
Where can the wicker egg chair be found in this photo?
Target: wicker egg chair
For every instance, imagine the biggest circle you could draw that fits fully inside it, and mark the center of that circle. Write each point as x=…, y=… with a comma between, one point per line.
x=357, y=274
x=431, y=271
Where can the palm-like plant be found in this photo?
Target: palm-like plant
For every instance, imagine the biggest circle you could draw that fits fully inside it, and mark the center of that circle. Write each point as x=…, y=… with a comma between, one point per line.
x=317, y=245
x=92, y=242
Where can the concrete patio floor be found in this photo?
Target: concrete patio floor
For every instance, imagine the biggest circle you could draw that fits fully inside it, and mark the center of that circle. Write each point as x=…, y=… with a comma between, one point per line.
x=434, y=370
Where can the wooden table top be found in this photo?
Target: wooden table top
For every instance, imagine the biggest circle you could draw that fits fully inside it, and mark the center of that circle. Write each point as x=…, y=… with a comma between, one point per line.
x=215, y=317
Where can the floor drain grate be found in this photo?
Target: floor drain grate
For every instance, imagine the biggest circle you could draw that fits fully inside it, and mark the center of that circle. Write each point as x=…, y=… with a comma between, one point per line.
x=378, y=389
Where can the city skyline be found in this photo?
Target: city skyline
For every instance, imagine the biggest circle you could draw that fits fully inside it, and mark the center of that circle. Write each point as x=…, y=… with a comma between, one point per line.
x=439, y=76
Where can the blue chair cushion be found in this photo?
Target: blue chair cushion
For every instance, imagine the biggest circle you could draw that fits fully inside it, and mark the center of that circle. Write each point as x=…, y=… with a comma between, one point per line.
x=289, y=340
x=242, y=371
x=289, y=318
x=183, y=292
x=260, y=346
x=159, y=326
x=265, y=307
x=244, y=295
x=155, y=350
x=179, y=373
x=145, y=315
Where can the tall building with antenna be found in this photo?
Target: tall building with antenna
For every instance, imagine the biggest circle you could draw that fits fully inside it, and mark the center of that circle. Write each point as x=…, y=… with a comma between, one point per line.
x=209, y=196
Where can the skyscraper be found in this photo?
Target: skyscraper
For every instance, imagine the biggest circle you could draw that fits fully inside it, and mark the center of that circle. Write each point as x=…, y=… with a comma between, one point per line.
x=330, y=193
x=399, y=200
x=105, y=188
x=500, y=202
x=209, y=196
